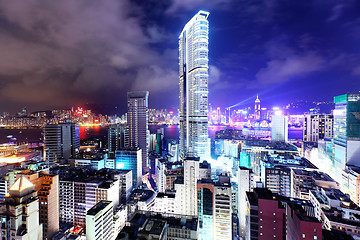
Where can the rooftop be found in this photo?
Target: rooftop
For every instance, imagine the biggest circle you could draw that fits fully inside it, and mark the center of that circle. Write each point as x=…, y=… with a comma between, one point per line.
x=153, y=226
x=142, y=195
x=316, y=175
x=167, y=194
x=336, y=234
x=21, y=184
x=273, y=145
x=98, y=207
x=288, y=161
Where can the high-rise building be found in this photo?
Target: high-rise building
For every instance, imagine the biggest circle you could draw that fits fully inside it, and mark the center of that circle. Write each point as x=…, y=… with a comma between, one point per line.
x=19, y=213
x=130, y=159
x=78, y=195
x=246, y=184
x=61, y=141
x=222, y=208
x=193, y=81
x=347, y=130
x=160, y=169
x=47, y=188
x=100, y=221
x=186, y=193
x=137, y=120
x=116, y=137
x=257, y=109
x=279, y=128
x=304, y=180
x=265, y=217
x=317, y=126
x=126, y=185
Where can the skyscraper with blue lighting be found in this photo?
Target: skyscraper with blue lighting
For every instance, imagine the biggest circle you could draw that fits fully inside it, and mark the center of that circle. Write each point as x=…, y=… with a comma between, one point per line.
x=193, y=81
x=130, y=159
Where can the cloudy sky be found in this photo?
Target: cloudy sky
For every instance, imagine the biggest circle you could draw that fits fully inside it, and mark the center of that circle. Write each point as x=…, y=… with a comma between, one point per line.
x=69, y=53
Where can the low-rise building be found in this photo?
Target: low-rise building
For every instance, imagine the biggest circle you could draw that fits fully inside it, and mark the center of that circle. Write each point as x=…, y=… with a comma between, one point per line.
x=160, y=226
x=164, y=203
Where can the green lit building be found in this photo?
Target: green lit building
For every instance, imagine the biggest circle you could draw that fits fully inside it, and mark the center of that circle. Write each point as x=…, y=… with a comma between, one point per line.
x=347, y=130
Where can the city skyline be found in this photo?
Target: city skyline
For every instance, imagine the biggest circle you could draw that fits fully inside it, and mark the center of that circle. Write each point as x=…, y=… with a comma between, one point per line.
x=56, y=55
x=243, y=125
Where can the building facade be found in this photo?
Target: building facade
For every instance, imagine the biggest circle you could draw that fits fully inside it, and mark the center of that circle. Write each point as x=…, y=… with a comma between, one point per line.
x=317, y=126
x=117, y=133
x=186, y=190
x=257, y=109
x=77, y=196
x=47, y=188
x=246, y=184
x=279, y=128
x=19, y=213
x=347, y=130
x=193, y=81
x=61, y=141
x=137, y=121
x=100, y=222
x=130, y=159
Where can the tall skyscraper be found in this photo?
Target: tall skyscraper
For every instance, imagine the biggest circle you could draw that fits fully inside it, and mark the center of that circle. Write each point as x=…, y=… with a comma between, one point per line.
x=257, y=108
x=279, y=128
x=61, y=141
x=347, y=130
x=137, y=120
x=193, y=81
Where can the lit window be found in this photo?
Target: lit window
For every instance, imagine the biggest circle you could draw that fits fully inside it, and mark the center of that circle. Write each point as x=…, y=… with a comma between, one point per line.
x=303, y=235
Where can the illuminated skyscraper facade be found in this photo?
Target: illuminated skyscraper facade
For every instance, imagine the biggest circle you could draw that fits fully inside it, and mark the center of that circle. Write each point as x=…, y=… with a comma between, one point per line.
x=137, y=120
x=257, y=108
x=193, y=81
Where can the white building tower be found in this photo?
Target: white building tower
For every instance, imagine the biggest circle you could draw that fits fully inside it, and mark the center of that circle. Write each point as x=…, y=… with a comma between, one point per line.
x=257, y=108
x=193, y=81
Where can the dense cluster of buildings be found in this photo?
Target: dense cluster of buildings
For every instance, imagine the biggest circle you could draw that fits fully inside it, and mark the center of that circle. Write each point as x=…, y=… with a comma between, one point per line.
x=144, y=186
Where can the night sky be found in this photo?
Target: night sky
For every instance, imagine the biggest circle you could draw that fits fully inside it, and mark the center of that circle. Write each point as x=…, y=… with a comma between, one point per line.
x=70, y=53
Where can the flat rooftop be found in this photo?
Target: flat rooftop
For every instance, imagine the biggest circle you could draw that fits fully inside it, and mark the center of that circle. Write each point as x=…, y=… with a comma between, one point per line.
x=98, y=207
x=271, y=145
x=141, y=195
x=288, y=161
